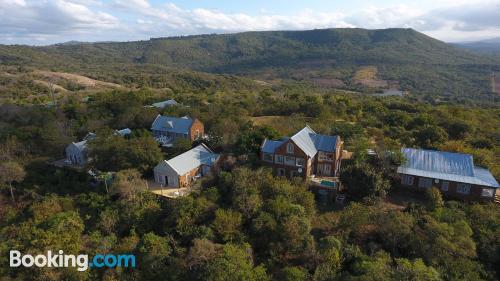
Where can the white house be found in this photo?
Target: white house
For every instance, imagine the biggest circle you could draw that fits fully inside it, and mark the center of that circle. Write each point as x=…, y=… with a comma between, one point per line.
x=181, y=170
x=76, y=152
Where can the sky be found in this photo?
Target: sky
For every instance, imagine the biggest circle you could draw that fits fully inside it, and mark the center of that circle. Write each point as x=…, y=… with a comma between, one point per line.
x=46, y=22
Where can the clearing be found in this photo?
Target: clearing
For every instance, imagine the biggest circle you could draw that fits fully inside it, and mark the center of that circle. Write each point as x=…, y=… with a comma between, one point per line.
x=75, y=78
x=367, y=76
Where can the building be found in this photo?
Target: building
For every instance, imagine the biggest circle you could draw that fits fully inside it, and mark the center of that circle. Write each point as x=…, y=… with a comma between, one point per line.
x=452, y=173
x=167, y=129
x=183, y=169
x=123, y=132
x=166, y=103
x=305, y=154
x=76, y=152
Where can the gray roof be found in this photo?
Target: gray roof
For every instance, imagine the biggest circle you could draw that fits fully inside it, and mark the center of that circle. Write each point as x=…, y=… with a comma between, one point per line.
x=307, y=140
x=442, y=165
x=269, y=146
x=165, y=103
x=172, y=124
x=81, y=145
x=123, y=132
x=311, y=143
x=191, y=159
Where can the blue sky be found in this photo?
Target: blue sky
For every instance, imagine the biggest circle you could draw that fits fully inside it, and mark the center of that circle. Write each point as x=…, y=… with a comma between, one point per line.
x=42, y=22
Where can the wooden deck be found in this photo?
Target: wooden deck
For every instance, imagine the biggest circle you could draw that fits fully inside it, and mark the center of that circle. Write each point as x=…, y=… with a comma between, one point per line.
x=166, y=191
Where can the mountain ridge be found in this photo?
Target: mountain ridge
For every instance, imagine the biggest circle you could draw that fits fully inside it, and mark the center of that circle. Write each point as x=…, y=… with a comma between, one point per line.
x=418, y=63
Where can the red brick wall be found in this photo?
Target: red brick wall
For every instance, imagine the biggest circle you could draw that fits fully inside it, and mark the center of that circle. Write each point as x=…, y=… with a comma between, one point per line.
x=474, y=194
x=297, y=152
x=196, y=126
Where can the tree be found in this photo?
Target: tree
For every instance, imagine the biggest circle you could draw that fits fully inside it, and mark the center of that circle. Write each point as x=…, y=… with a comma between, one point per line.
x=430, y=136
x=227, y=224
x=114, y=153
x=330, y=261
x=155, y=251
x=127, y=183
x=415, y=271
x=395, y=228
x=11, y=172
x=295, y=273
x=235, y=263
x=364, y=180
x=435, y=200
x=250, y=138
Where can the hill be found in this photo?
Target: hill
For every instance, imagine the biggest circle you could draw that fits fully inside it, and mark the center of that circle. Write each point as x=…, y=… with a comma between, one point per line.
x=396, y=58
x=489, y=47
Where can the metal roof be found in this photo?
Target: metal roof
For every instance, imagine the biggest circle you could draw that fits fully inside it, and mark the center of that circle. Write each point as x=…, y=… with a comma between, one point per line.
x=172, y=124
x=269, y=146
x=307, y=140
x=191, y=159
x=123, y=132
x=81, y=145
x=442, y=165
x=165, y=103
x=310, y=142
x=485, y=176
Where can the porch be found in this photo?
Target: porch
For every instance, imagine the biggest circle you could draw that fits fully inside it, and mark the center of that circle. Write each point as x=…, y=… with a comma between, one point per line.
x=168, y=191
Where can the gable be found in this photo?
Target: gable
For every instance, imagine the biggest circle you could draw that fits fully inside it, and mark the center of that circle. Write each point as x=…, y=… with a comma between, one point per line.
x=297, y=150
x=164, y=168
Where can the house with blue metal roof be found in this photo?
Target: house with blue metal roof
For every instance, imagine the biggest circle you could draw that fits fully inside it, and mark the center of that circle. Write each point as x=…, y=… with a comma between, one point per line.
x=183, y=169
x=453, y=173
x=167, y=129
x=306, y=154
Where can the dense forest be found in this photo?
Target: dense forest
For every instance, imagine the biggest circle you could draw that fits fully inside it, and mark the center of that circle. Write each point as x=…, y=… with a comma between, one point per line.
x=243, y=223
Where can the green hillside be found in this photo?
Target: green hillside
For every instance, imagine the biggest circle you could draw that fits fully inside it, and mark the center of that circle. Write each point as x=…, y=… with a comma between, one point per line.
x=411, y=60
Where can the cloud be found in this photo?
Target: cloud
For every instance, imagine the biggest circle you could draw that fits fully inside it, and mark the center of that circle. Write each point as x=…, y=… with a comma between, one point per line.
x=63, y=20
x=40, y=21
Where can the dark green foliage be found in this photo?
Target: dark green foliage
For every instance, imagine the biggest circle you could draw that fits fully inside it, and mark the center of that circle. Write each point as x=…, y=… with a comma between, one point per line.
x=244, y=224
x=114, y=153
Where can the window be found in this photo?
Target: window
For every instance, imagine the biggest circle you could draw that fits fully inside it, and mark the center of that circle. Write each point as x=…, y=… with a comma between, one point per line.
x=323, y=156
x=424, y=182
x=487, y=192
x=445, y=185
x=290, y=160
x=463, y=188
x=299, y=162
x=198, y=135
x=289, y=148
x=407, y=180
x=278, y=159
x=268, y=157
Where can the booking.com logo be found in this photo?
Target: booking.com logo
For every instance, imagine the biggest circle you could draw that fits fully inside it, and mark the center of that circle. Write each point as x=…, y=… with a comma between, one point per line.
x=81, y=262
